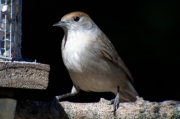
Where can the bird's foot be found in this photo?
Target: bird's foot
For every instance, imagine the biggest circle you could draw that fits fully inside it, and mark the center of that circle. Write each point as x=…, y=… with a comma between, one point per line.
x=116, y=103
x=63, y=96
x=110, y=102
x=58, y=97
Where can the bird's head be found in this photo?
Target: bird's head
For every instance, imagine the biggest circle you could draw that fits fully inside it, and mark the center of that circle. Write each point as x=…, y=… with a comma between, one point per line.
x=76, y=21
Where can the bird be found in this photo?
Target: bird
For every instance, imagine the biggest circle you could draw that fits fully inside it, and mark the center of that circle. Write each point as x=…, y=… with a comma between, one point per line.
x=92, y=61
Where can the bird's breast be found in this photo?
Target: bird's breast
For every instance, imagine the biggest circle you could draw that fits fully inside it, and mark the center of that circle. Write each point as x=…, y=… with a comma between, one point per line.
x=76, y=50
x=87, y=67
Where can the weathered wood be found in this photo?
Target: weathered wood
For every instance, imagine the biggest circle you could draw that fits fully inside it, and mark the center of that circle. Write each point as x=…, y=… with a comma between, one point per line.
x=140, y=109
x=7, y=108
x=29, y=75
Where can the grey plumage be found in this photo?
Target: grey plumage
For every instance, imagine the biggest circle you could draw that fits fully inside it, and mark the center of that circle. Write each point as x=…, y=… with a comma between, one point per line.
x=91, y=59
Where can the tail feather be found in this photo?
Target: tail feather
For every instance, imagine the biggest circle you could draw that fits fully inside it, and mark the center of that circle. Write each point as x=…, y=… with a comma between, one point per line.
x=129, y=94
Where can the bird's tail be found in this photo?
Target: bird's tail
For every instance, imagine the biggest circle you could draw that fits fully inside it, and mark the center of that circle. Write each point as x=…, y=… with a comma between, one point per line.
x=128, y=94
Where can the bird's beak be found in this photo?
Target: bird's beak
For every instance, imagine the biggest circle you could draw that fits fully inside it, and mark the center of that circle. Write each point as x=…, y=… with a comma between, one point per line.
x=60, y=24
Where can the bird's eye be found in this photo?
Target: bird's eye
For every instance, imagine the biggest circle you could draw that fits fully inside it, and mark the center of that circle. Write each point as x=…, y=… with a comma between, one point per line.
x=76, y=18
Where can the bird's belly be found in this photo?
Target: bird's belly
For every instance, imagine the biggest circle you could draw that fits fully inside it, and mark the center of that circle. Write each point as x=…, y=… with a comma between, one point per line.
x=92, y=73
x=93, y=84
x=98, y=76
x=97, y=83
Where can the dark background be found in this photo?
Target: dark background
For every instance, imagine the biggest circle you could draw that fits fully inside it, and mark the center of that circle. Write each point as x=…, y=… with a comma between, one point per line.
x=145, y=34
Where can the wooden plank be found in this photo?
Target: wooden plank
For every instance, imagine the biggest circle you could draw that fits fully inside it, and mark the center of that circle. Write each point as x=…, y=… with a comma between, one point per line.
x=140, y=109
x=28, y=75
x=7, y=108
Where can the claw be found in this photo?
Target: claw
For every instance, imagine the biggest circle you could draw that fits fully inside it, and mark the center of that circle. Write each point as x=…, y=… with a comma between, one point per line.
x=57, y=97
x=116, y=103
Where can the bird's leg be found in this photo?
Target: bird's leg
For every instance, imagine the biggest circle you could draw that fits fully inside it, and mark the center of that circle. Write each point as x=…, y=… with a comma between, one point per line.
x=116, y=101
x=73, y=92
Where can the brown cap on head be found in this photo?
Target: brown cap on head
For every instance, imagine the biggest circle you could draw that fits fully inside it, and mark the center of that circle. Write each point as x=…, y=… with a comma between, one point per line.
x=73, y=14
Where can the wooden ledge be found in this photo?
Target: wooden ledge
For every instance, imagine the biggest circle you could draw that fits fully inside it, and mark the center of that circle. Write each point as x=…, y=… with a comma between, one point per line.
x=28, y=75
x=140, y=109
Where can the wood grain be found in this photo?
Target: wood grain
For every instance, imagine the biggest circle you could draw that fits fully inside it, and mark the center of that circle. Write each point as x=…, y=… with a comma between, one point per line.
x=28, y=75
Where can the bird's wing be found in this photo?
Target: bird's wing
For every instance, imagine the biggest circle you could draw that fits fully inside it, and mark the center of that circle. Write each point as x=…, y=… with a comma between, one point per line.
x=109, y=52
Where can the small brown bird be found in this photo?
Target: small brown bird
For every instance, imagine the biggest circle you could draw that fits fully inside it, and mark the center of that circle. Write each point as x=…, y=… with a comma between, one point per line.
x=92, y=61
